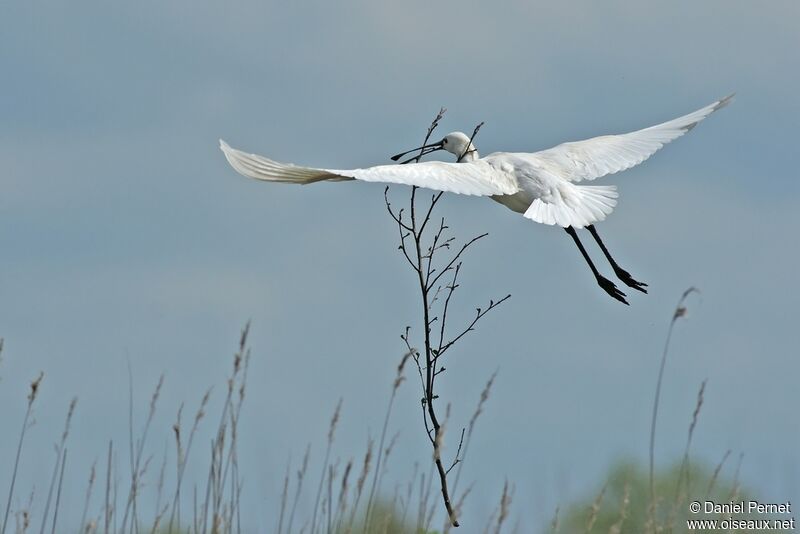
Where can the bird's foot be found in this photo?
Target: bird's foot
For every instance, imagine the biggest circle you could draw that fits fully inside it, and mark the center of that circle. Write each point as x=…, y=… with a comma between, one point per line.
x=611, y=289
x=628, y=280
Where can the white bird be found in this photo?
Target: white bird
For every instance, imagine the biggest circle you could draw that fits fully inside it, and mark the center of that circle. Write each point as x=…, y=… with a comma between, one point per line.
x=543, y=186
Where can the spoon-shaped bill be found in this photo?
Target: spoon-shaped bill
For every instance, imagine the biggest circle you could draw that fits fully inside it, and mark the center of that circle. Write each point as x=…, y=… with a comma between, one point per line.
x=426, y=149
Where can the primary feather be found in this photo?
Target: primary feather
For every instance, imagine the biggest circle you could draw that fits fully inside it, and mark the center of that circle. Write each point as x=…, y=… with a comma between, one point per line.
x=596, y=157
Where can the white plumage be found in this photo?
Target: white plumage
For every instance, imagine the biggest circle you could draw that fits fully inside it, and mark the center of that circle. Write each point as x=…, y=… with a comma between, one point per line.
x=541, y=185
x=544, y=186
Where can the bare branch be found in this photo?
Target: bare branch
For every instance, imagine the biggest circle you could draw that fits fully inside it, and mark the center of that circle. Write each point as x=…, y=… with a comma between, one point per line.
x=431, y=128
x=467, y=150
x=397, y=218
x=455, y=258
x=420, y=251
x=457, y=459
x=471, y=327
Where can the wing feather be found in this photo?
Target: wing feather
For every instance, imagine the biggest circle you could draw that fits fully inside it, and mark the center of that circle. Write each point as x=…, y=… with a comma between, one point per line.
x=473, y=178
x=599, y=156
x=261, y=168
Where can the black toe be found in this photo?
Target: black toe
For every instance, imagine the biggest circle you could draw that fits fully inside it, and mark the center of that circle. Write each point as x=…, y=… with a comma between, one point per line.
x=612, y=289
x=629, y=281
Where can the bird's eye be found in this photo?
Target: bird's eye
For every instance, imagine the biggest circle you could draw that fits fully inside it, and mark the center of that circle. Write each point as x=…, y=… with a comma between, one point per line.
x=444, y=142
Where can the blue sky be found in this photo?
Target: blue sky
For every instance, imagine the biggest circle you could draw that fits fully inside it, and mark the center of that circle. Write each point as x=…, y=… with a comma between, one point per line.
x=125, y=235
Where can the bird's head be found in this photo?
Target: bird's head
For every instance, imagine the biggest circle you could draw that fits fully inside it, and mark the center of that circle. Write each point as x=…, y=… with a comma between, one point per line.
x=455, y=142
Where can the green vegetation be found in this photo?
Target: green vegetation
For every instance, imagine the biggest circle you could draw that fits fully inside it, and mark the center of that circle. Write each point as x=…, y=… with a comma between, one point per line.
x=622, y=505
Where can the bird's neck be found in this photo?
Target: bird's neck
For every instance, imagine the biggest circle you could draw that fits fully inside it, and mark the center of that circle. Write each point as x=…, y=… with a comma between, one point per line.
x=471, y=155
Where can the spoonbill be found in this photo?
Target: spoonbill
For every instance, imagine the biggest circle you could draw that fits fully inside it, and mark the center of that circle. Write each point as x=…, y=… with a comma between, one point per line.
x=542, y=186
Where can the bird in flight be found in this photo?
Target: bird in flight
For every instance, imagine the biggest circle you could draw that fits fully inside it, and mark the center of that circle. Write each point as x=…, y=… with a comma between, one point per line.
x=543, y=186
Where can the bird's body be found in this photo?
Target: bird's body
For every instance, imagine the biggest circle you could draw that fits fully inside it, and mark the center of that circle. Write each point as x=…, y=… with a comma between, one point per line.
x=543, y=186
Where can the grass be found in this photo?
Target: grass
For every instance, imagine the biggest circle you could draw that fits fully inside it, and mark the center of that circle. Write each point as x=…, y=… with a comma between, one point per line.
x=348, y=496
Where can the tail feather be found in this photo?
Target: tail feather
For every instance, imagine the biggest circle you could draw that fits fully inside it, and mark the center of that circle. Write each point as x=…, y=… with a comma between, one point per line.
x=598, y=200
x=576, y=205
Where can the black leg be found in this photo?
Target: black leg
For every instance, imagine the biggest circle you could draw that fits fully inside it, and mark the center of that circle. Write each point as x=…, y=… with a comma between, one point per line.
x=621, y=273
x=602, y=281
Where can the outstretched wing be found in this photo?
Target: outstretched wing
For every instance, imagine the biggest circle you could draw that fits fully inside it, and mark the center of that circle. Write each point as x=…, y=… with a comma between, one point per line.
x=599, y=156
x=473, y=178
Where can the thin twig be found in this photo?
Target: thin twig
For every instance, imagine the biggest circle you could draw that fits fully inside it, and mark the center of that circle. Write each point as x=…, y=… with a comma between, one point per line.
x=467, y=150
x=457, y=460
